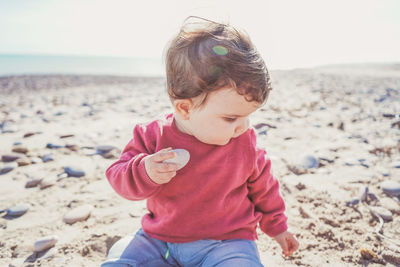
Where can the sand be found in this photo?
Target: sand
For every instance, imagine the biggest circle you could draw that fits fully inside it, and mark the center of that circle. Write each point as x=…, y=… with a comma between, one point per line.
x=344, y=117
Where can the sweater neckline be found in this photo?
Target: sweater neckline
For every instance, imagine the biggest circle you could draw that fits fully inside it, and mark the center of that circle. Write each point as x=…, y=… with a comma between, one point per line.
x=182, y=135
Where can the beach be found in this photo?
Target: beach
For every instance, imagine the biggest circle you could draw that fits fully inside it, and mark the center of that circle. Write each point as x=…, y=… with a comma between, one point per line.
x=331, y=132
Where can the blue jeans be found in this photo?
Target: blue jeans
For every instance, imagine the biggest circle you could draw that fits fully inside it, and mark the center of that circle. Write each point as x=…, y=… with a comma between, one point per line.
x=142, y=250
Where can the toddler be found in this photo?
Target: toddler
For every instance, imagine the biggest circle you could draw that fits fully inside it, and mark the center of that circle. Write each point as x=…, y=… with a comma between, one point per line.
x=206, y=213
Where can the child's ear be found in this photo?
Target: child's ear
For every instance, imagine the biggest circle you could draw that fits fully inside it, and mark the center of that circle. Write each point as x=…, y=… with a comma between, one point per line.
x=183, y=107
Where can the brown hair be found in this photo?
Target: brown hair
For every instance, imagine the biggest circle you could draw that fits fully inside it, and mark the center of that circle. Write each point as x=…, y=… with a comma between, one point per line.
x=206, y=56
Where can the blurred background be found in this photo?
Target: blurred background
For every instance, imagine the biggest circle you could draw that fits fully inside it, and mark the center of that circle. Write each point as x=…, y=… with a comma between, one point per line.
x=128, y=37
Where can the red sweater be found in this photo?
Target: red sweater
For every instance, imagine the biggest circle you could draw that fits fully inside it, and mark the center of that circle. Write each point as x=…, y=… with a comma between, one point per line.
x=222, y=193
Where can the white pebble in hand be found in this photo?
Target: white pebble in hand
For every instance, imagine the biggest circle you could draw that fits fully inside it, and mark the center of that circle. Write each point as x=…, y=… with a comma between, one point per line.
x=182, y=158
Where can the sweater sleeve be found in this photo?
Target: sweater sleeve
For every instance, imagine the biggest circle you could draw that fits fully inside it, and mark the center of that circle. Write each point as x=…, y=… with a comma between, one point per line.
x=128, y=176
x=264, y=192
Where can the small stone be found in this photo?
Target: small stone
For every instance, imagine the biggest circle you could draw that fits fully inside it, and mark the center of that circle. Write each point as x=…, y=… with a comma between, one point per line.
x=18, y=210
x=74, y=171
x=353, y=202
x=8, y=167
x=327, y=158
x=113, y=154
x=104, y=149
x=47, y=158
x=47, y=182
x=45, y=243
x=384, y=172
x=9, y=128
x=48, y=254
x=66, y=136
x=372, y=197
x=20, y=149
x=36, y=160
x=309, y=162
x=23, y=161
x=390, y=204
x=88, y=151
x=72, y=147
x=363, y=193
x=62, y=176
x=297, y=169
x=29, y=134
x=182, y=158
x=367, y=254
x=10, y=158
x=382, y=212
x=351, y=162
x=263, y=132
x=53, y=146
x=33, y=182
x=78, y=214
x=392, y=258
x=395, y=164
x=391, y=187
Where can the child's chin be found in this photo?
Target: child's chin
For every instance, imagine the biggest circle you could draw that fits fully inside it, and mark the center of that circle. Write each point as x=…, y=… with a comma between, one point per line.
x=222, y=143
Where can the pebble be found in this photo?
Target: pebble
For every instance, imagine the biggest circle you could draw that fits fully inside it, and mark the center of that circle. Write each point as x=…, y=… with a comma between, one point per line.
x=47, y=158
x=327, y=158
x=18, y=210
x=363, y=193
x=9, y=158
x=48, y=254
x=104, y=149
x=384, y=172
x=182, y=158
x=36, y=160
x=113, y=154
x=395, y=164
x=20, y=149
x=309, y=162
x=78, y=214
x=45, y=243
x=53, y=146
x=263, y=132
x=353, y=202
x=372, y=197
x=390, y=204
x=383, y=212
x=72, y=147
x=47, y=182
x=62, y=176
x=23, y=161
x=74, y=171
x=29, y=134
x=351, y=162
x=66, y=136
x=8, y=167
x=391, y=187
x=9, y=128
x=33, y=182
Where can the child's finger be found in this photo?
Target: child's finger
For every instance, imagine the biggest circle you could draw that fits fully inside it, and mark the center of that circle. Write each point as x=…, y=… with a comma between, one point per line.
x=284, y=247
x=294, y=245
x=166, y=167
x=163, y=155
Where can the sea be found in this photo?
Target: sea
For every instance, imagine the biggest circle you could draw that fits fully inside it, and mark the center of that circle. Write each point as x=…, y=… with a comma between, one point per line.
x=85, y=65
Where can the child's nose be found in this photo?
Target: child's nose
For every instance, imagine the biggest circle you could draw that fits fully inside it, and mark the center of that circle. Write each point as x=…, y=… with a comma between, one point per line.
x=242, y=127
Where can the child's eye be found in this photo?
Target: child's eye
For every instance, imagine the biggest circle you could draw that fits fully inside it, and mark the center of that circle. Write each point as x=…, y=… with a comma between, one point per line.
x=230, y=119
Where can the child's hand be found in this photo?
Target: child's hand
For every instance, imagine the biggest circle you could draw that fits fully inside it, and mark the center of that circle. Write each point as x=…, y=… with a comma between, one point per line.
x=288, y=243
x=158, y=171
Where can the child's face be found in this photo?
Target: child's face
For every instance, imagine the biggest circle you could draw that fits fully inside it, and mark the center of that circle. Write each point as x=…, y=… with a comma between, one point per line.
x=225, y=115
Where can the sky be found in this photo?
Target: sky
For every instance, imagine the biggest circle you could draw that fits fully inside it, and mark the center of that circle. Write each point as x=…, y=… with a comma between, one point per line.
x=287, y=33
